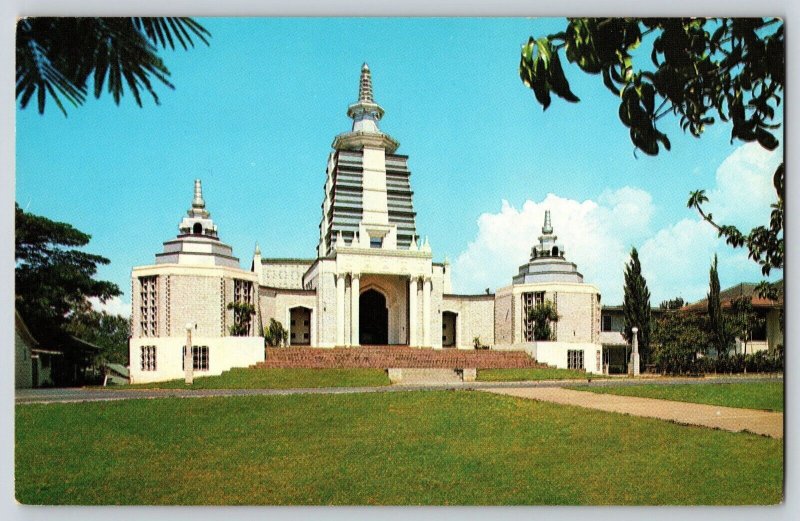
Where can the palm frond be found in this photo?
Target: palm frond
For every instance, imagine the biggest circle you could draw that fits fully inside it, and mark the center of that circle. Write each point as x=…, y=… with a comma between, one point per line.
x=161, y=31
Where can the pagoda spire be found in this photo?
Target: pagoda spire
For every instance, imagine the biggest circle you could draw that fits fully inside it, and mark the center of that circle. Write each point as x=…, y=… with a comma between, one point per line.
x=365, y=85
x=365, y=114
x=198, y=208
x=547, y=229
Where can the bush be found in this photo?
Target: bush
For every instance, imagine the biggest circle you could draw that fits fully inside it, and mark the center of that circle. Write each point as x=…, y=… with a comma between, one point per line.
x=761, y=362
x=478, y=344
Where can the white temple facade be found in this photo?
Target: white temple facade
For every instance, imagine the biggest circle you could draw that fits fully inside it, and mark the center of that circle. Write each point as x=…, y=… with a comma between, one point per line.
x=372, y=280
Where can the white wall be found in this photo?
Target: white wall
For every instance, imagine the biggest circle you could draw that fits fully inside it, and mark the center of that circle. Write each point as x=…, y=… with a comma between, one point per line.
x=555, y=354
x=223, y=354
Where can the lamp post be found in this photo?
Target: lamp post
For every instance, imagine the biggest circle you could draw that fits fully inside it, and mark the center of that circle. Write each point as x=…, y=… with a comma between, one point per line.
x=635, y=352
x=188, y=359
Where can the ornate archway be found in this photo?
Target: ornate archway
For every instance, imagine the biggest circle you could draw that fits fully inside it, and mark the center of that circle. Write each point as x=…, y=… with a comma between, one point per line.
x=373, y=318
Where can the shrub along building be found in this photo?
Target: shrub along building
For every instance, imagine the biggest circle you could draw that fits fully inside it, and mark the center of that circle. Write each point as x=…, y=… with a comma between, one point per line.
x=766, y=329
x=372, y=280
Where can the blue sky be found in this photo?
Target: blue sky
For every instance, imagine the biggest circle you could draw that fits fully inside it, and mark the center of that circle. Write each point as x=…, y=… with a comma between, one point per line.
x=253, y=115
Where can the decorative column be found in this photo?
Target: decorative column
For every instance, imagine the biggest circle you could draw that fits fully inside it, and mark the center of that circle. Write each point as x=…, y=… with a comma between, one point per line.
x=188, y=356
x=412, y=311
x=340, y=309
x=355, y=294
x=426, y=312
x=635, y=352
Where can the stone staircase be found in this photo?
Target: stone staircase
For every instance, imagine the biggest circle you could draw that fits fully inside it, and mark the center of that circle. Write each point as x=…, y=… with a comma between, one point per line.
x=385, y=357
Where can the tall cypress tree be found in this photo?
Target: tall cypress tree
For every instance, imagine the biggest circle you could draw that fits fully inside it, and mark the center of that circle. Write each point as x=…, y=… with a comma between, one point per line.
x=636, y=305
x=716, y=321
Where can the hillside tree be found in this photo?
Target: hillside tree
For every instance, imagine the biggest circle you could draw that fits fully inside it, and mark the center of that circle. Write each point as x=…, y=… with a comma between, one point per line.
x=636, y=306
x=717, y=322
x=53, y=276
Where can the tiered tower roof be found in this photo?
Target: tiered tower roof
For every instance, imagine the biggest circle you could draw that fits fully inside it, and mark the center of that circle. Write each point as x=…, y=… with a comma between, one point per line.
x=547, y=262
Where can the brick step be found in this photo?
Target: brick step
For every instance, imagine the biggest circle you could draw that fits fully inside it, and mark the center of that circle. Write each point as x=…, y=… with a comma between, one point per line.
x=383, y=357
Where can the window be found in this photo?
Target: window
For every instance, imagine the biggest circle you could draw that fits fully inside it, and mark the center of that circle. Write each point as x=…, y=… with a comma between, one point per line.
x=199, y=358
x=574, y=359
x=148, y=358
x=242, y=318
x=376, y=242
x=607, y=323
x=148, y=309
x=529, y=301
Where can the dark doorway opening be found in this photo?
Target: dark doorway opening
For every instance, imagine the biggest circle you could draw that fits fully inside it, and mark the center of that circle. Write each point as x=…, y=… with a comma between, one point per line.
x=300, y=326
x=449, y=329
x=373, y=318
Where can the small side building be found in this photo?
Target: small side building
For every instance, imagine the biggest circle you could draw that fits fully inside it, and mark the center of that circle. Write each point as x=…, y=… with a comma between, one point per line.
x=196, y=282
x=548, y=276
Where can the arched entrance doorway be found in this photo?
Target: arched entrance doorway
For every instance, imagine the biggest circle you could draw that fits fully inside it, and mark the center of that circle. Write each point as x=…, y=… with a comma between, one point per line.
x=373, y=318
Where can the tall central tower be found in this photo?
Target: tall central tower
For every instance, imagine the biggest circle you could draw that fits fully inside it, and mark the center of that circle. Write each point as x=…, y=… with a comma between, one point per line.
x=368, y=197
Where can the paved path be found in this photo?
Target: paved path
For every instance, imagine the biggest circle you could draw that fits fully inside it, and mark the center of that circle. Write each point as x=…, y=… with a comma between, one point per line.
x=69, y=395
x=714, y=416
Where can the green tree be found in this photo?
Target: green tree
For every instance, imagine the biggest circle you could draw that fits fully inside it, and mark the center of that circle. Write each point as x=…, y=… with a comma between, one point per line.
x=53, y=278
x=675, y=303
x=58, y=57
x=636, y=305
x=102, y=329
x=542, y=315
x=275, y=334
x=243, y=313
x=700, y=69
x=744, y=320
x=717, y=322
x=678, y=337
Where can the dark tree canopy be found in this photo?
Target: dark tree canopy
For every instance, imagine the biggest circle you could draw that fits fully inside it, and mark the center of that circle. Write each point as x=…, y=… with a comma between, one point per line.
x=699, y=69
x=110, y=332
x=59, y=57
x=52, y=276
x=636, y=305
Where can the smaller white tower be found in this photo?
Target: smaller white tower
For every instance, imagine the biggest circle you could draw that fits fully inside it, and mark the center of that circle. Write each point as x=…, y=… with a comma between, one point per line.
x=197, y=242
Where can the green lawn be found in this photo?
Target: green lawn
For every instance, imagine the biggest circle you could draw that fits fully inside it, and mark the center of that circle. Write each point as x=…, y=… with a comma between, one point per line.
x=548, y=373
x=443, y=447
x=277, y=378
x=754, y=395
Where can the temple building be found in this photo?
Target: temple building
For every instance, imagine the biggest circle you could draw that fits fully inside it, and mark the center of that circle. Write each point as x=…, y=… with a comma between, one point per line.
x=371, y=281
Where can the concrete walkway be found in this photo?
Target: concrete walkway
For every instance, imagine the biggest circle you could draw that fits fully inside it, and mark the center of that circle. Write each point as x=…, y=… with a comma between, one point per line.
x=714, y=416
x=92, y=394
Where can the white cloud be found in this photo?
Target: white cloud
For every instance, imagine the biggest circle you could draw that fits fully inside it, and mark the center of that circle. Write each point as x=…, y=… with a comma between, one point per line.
x=744, y=190
x=113, y=306
x=676, y=260
x=596, y=236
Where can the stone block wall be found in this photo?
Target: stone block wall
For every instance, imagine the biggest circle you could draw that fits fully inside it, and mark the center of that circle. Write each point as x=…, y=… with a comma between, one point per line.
x=475, y=318
x=199, y=300
x=578, y=317
x=503, y=318
x=285, y=274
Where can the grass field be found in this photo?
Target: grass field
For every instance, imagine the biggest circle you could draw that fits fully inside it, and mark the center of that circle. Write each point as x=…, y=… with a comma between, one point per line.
x=517, y=375
x=277, y=378
x=754, y=395
x=444, y=447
